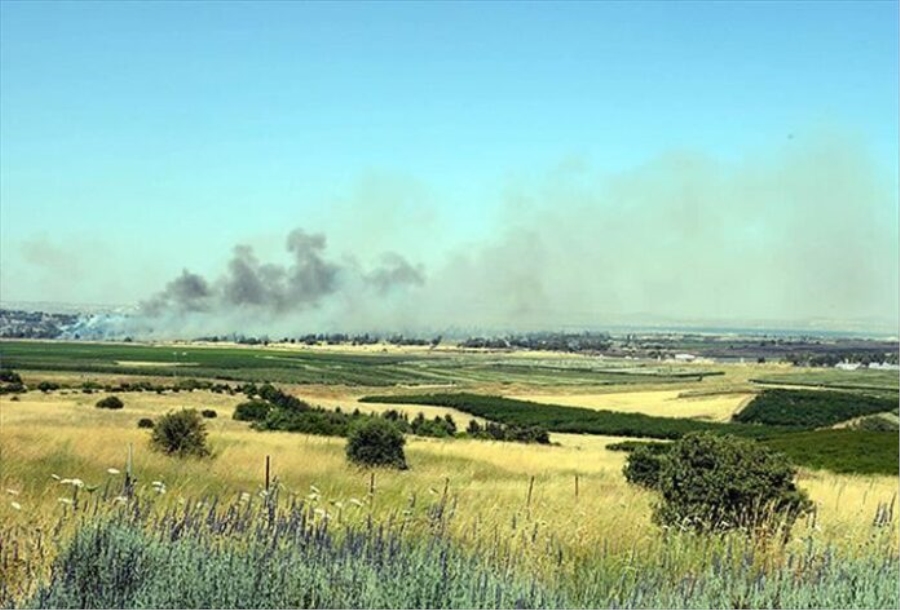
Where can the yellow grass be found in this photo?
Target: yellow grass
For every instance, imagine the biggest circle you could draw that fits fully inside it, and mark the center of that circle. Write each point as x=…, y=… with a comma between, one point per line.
x=668, y=403
x=65, y=435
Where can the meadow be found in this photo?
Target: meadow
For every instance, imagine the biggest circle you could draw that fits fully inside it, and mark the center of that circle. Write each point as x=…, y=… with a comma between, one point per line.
x=472, y=523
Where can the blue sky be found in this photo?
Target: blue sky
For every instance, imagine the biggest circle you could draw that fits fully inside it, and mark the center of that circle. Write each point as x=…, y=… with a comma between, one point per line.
x=140, y=138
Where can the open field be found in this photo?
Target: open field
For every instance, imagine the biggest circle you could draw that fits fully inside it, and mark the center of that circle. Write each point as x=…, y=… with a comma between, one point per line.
x=711, y=407
x=560, y=517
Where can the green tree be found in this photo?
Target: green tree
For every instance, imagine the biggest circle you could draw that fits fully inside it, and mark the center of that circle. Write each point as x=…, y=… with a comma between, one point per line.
x=713, y=483
x=180, y=433
x=375, y=441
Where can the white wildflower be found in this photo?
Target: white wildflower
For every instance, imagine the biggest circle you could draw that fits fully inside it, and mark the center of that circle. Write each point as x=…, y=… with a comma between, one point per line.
x=16, y=505
x=12, y=492
x=65, y=501
x=112, y=470
x=55, y=476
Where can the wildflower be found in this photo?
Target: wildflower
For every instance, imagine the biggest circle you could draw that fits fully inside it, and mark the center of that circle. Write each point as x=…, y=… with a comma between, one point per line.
x=55, y=476
x=65, y=501
x=112, y=471
x=158, y=484
x=12, y=492
x=245, y=496
x=16, y=505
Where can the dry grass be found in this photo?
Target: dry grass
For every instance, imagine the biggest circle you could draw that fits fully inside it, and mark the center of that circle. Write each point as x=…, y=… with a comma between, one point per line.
x=667, y=403
x=65, y=435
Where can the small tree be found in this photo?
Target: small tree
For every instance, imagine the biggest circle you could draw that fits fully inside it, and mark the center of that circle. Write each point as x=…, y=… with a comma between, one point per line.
x=145, y=422
x=714, y=483
x=180, y=433
x=110, y=402
x=376, y=441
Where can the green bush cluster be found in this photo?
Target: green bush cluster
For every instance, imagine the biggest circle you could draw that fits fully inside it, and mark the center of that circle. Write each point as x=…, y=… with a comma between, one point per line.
x=145, y=422
x=271, y=409
x=711, y=483
x=810, y=409
x=110, y=402
x=375, y=441
x=11, y=382
x=181, y=434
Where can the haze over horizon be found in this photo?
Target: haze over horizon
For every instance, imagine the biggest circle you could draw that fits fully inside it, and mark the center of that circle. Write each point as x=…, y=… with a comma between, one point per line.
x=274, y=166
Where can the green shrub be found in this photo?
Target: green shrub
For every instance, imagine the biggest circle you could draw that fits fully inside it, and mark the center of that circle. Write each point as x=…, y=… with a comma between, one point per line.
x=145, y=422
x=376, y=441
x=180, y=433
x=9, y=376
x=252, y=410
x=47, y=386
x=711, y=483
x=209, y=414
x=110, y=402
x=643, y=466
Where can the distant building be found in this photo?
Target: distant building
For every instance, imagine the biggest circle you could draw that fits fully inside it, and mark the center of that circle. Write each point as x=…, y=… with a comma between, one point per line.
x=847, y=366
x=884, y=366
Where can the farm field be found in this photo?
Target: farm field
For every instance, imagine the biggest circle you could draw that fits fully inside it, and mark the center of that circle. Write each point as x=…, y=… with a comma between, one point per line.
x=673, y=403
x=560, y=520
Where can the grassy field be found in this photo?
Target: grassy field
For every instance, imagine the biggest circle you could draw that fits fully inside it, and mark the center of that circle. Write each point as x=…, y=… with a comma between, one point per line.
x=300, y=365
x=836, y=379
x=556, y=522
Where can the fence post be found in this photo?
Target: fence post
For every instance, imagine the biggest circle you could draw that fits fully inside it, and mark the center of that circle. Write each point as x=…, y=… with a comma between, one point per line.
x=530, y=488
x=576, y=485
x=267, y=473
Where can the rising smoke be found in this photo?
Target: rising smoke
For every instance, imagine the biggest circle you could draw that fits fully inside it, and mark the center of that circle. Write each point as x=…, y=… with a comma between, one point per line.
x=270, y=291
x=805, y=232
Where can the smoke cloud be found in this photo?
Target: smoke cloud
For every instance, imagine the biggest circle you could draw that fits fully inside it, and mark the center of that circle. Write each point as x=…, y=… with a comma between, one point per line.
x=804, y=234
x=271, y=292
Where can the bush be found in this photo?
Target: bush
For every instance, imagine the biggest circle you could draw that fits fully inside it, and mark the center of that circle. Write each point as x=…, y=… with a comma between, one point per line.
x=110, y=402
x=711, y=483
x=180, y=433
x=642, y=467
x=9, y=376
x=47, y=386
x=209, y=414
x=252, y=410
x=376, y=442
x=145, y=422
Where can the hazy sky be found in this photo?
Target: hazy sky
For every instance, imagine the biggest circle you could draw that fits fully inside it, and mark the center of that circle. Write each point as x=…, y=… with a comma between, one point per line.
x=541, y=162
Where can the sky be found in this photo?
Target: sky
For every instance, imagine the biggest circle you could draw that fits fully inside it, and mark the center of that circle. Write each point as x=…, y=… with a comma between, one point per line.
x=392, y=165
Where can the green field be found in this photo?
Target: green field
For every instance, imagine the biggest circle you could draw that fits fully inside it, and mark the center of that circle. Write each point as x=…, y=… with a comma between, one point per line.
x=837, y=379
x=298, y=366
